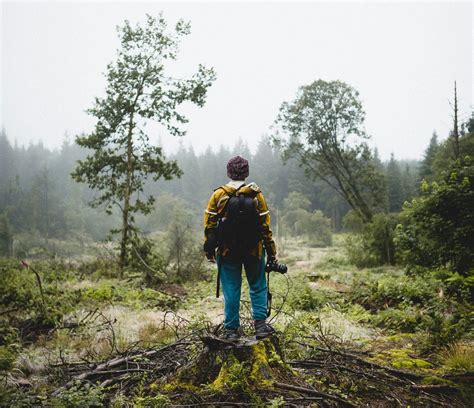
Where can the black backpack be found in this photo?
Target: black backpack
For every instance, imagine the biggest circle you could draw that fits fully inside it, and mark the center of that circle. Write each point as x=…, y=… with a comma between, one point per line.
x=238, y=228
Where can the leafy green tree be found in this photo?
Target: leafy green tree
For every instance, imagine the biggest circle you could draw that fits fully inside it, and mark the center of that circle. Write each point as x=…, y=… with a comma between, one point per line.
x=352, y=222
x=296, y=200
x=139, y=91
x=324, y=129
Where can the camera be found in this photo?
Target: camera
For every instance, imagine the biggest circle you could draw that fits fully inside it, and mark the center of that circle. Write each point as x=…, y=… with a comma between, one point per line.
x=273, y=266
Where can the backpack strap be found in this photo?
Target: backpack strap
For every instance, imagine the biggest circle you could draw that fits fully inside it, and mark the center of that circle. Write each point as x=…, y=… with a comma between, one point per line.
x=229, y=194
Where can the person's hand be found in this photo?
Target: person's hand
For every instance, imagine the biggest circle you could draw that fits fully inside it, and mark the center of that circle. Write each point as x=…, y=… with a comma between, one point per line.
x=210, y=257
x=270, y=261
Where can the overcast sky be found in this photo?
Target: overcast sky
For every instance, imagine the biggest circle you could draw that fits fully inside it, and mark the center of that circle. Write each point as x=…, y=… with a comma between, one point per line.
x=402, y=57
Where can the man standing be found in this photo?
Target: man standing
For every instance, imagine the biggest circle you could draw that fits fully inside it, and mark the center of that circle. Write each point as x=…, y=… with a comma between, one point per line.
x=237, y=224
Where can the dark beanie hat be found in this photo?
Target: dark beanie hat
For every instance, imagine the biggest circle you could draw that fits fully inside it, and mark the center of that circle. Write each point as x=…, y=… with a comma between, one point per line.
x=238, y=168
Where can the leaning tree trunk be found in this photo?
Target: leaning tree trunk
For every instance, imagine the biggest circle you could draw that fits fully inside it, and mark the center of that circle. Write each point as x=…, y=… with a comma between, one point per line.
x=124, y=240
x=126, y=200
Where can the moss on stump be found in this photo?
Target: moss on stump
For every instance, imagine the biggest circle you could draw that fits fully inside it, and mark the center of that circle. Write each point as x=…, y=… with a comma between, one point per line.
x=246, y=369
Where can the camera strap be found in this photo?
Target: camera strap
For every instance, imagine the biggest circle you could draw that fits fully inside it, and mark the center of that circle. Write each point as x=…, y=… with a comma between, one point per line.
x=269, y=296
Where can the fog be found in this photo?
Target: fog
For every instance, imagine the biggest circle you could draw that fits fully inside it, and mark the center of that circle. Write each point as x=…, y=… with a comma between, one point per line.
x=403, y=58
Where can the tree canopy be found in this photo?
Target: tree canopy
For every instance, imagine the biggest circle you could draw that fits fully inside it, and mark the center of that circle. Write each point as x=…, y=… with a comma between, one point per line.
x=139, y=90
x=323, y=129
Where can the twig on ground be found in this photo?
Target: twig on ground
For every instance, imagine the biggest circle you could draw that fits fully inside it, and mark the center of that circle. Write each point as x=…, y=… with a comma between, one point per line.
x=312, y=392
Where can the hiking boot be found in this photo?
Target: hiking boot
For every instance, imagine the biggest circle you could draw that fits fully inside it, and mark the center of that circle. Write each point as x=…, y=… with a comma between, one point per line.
x=231, y=334
x=263, y=329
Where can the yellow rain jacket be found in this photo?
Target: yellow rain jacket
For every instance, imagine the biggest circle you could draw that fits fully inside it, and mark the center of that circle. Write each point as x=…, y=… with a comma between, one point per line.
x=215, y=209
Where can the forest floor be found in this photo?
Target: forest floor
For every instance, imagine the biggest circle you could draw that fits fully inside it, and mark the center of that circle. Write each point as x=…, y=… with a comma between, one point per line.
x=122, y=345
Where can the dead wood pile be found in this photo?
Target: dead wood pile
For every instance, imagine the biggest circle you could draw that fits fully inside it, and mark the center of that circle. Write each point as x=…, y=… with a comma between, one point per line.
x=205, y=370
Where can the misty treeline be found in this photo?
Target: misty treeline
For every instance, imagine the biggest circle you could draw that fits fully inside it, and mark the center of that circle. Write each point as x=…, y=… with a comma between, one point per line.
x=39, y=200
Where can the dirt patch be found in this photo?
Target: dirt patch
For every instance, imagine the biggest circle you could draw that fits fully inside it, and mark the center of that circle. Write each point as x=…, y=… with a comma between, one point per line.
x=172, y=289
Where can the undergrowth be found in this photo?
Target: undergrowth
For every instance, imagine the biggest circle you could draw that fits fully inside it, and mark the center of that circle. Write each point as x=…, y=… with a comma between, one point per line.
x=419, y=320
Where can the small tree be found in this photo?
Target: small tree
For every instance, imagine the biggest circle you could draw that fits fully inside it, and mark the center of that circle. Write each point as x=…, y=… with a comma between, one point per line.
x=138, y=91
x=318, y=229
x=295, y=212
x=324, y=125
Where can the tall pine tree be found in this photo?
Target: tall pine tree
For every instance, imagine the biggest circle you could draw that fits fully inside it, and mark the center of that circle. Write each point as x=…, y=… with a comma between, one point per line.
x=426, y=167
x=394, y=185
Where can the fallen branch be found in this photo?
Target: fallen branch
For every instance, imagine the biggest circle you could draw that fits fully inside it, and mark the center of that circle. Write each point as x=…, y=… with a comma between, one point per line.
x=111, y=366
x=38, y=280
x=395, y=372
x=467, y=377
x=434, y=387
x=312, y=392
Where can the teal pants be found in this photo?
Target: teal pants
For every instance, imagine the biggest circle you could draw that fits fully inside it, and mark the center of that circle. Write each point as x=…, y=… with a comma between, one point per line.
x=231, y=281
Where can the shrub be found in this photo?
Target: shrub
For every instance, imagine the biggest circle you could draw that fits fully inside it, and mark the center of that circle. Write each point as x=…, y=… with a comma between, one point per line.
x=314, y=225
x=98, y=268
x=389, y=291
x=31, y=312
x=318, y=229
x=352, y=222
x=404, y=318
x=414, y=303
x=114, y=292
x=77, y=396
x=302, y=297
x=437, y=228
x=18, y=397
x=374, y=244
x=446, y=323
x=7, y=358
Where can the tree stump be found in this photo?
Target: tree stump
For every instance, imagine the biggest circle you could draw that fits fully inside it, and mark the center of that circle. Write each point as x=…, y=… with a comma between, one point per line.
x=242, y=371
